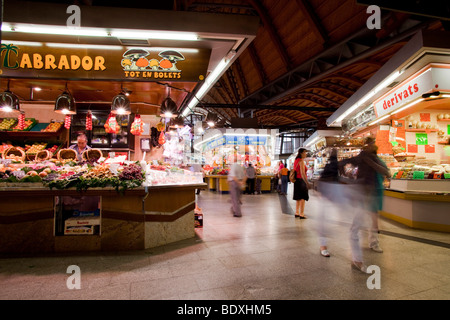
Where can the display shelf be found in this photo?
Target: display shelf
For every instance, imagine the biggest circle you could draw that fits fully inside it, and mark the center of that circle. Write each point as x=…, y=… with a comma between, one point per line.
x=421, y=130
x=29, y=134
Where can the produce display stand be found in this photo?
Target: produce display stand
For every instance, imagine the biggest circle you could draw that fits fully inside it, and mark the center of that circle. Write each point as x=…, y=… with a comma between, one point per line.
x=219, y=183
x=134, y=219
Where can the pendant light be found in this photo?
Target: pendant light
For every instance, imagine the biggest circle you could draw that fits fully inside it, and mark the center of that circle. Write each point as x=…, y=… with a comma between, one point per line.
x=65, y=103
x=121, y=105
x=9, y=102
x=211, y=119
x=169, y=108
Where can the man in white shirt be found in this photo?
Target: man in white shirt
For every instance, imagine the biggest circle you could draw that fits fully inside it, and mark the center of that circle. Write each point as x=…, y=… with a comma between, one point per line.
x=236, y=180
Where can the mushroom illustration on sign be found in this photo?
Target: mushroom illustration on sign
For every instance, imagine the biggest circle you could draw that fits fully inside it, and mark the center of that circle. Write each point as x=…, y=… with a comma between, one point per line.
x=137, y=59
x=154, y=64
x=170, y=59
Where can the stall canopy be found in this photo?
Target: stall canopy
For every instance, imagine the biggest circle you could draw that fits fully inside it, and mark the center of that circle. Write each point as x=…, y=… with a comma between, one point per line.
x=425, y=57
x=115, y=50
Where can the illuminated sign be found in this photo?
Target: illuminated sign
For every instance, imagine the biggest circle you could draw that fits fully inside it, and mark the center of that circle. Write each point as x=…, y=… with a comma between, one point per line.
x=49, y=60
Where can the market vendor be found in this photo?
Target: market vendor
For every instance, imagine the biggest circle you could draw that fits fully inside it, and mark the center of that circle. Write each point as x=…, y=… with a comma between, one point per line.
x=81, y=145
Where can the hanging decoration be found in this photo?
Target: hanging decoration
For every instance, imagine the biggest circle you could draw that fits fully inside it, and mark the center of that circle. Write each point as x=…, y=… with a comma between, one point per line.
x=67, y=121
x=21, y=118
x=160, y=126
x=111, y=125
x=89, y=120
x=162, y=138
x=137, y=127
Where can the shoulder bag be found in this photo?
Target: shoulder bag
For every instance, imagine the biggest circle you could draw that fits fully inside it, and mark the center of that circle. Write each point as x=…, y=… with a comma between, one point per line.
x=293, y=174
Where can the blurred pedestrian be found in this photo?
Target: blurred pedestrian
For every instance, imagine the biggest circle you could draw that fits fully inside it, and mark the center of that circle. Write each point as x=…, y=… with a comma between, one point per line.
x=365, y=191
x=328, y=186
x=284, y=174
x=236, y=180
x=301, y=184
x=250, y=172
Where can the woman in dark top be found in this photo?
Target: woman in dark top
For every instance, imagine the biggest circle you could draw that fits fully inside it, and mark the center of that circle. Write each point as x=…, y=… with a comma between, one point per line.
x=301, y=184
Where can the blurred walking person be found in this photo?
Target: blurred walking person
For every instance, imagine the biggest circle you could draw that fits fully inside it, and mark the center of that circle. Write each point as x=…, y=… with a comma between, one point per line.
x=284, y=174
x=236, y=180
x=328, y=186
x=365, y=196
x=301, y=184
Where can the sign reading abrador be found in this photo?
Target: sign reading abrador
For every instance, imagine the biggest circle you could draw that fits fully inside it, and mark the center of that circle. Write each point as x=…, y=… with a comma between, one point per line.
x=111, y=63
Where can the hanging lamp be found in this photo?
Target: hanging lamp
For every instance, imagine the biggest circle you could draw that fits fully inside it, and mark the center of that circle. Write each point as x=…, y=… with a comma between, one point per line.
x=9, y=102
x=65, y=103
x=121, y=105
x=169, y=108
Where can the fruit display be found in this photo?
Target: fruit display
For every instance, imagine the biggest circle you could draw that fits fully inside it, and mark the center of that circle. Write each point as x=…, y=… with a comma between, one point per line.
x=28, y=124
x=35, y=147
x=7, y=123
x=52, y=127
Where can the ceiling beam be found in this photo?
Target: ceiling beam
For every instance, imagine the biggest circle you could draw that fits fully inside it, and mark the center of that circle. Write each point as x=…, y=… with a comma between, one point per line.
x=267, y=22
x=313, y=21
x=267, y=107
x=270, y=93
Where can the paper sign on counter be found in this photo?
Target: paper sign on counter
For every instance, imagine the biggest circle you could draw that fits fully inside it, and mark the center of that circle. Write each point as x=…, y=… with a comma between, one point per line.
x=430, y=148
x=418, y=175
x=412, y=148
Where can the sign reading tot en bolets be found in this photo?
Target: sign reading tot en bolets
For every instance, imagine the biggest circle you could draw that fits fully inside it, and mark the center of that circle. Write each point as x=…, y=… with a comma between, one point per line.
x=46, y=60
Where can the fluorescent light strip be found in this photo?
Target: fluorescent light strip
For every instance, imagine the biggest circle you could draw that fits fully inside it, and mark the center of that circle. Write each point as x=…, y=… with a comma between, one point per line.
x=407, y=106
x=23, y=43
x=379, y=120
x=57, y=30
x=98, y=32
x=84, y=46
x=209, y=82
x=165, y=35
x=364, y=99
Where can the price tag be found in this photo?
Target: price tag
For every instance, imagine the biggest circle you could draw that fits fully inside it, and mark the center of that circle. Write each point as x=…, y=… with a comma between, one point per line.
x=421, y=139
x=399, y=174
x=418, y=175
x=437, y=176
x=447, y=175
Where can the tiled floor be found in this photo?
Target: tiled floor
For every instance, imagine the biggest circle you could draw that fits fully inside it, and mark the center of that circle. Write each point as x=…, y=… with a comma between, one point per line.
x=266, y=254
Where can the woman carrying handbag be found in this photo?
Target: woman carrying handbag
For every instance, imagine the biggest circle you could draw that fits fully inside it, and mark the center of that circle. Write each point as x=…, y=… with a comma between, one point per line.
x=301, y=184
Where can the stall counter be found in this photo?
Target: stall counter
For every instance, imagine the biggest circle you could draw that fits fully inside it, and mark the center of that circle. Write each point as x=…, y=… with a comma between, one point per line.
x=134, y=219
x=407, y=202
x=219, y=183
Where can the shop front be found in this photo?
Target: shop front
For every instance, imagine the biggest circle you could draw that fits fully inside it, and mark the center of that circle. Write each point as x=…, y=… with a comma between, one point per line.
x=408, y=116
x=222, y=147
x=132, y=189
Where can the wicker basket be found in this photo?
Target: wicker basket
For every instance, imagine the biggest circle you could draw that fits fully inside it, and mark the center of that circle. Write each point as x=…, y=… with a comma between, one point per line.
x=67, y=154
x=14, y=153
x=91, y=154
x=43, y=155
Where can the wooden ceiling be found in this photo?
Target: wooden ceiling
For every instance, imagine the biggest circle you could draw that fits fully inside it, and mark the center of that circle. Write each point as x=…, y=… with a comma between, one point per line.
x=307, y=59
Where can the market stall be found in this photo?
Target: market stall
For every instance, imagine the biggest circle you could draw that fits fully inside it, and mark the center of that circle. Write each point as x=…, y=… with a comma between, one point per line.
x=220, y=148
x=125, y=94
x=406, y=109
x=94, y=206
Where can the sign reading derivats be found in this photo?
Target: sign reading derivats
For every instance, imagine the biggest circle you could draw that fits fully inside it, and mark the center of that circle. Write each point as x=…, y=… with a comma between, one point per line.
x=111, y=63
